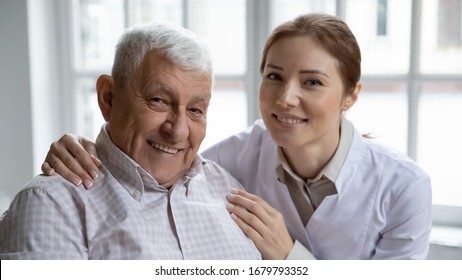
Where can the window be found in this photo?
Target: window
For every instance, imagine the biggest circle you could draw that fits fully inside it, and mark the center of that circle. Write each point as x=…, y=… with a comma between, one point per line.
x=449, y=23
x=438, y=133
x=382, y=13
x=438, y=102
x=379, y=99
x=412, y=90
x=411, y=72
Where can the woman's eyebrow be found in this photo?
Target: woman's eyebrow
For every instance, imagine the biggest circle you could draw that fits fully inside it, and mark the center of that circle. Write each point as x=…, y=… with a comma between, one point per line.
x=274, y=66
x=313, y=71
x=307, y=71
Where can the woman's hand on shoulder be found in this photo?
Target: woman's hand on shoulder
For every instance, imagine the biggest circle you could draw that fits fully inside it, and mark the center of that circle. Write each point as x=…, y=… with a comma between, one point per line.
x=261, y=223
x=74, y=158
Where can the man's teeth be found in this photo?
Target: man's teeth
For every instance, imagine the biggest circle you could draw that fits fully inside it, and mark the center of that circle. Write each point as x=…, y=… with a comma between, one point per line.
x=165, y=149
x=289, y=120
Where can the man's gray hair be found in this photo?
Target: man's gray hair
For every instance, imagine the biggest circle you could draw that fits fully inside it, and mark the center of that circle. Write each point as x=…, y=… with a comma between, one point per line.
x=178, y=44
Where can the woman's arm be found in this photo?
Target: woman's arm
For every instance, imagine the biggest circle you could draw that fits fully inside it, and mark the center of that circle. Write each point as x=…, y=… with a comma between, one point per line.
x=74, y=158
x=409, y=222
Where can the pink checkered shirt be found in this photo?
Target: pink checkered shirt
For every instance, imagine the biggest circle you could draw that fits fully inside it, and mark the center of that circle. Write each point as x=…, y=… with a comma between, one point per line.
x=125, y=215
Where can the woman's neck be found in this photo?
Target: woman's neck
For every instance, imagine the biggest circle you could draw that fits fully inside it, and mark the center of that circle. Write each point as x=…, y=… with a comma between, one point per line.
x=308, y=160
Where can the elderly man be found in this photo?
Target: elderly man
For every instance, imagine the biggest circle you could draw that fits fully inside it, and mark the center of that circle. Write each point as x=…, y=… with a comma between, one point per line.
x=157, y=198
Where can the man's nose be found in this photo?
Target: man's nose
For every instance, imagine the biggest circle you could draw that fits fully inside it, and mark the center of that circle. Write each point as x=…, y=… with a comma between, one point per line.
x=288, y=96
x=176, y=126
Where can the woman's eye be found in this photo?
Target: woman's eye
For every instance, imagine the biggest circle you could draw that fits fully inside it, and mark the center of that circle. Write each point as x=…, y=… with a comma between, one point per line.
x=313, y=83
x=273, y=76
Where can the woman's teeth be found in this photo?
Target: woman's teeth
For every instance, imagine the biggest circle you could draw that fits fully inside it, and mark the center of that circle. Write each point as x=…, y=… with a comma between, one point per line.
x=289, y=120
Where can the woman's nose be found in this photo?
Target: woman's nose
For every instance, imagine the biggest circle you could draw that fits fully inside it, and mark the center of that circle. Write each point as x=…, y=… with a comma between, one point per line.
x=288, y=96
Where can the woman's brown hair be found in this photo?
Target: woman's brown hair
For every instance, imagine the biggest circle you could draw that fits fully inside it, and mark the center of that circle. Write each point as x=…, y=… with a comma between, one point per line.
x=333, y=34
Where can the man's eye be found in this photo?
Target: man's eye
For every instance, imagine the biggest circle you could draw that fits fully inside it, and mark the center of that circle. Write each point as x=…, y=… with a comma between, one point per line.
x=158, y=103
x=196, y=111
x=156, y=100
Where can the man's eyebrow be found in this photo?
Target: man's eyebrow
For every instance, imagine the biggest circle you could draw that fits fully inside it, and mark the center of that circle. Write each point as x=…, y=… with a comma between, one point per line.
x=156, y=87
x=161, y=86
x=307, y=71
x=200, y=99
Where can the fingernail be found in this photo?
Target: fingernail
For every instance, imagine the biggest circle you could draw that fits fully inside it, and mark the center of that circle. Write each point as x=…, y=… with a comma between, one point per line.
x=77, y=182
x=98, y=162
x=87, y=183
x=235, y=191
x=229, y=206
x=94, y=174
x=233, y=216
x=230, y=196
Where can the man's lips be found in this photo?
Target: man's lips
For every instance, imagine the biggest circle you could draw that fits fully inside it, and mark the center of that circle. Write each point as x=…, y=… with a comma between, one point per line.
x=163, y=148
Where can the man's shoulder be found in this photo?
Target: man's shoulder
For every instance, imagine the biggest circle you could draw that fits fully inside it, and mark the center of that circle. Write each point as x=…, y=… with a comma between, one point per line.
x=44, y=196
x=211, y=168
x=214, y=172
x=52, y=187
x=44, y=221
x=49, y=183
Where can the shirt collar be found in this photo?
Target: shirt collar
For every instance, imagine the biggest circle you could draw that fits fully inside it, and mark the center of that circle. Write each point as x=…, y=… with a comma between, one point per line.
x=333, y=167
x=131, y=175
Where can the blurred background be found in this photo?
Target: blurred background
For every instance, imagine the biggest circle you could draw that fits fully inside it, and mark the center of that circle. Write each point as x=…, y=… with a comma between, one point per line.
x=52, y=51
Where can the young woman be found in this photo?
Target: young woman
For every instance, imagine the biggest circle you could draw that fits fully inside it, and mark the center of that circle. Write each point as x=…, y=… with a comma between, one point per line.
x=314, y=184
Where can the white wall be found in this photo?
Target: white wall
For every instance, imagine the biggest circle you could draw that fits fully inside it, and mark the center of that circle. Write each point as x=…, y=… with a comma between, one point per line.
x=29, y=94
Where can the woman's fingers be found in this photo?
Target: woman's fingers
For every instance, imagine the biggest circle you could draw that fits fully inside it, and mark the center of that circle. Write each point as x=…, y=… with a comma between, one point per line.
x=52, y=160
x=68, y=157
x=83, y=151
x=261, y=223
x=252, y=203
x=251, y=224
x=95, y=160
x=47, y=169
x=90, y=148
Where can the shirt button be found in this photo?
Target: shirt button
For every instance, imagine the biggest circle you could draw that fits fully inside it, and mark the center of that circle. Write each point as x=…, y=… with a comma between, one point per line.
x=136, y=194
x=187, y=246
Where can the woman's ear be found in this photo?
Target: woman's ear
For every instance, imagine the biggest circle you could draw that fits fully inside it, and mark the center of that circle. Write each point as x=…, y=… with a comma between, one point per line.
x=104, y=87
x=351, y=98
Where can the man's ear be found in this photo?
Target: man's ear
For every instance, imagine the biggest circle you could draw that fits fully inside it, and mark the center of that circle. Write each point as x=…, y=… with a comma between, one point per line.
x=105, y=86
x=351, y=98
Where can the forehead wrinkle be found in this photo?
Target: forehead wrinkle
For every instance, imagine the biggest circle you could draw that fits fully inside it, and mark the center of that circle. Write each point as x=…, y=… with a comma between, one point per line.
x=158, y=86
